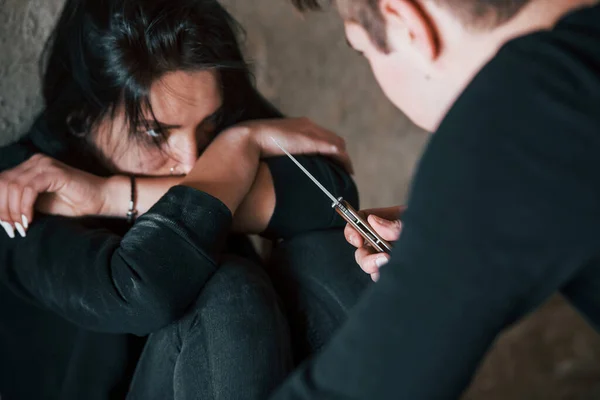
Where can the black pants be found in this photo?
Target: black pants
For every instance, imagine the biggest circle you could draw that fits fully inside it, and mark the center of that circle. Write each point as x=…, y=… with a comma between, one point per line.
x=251, y=324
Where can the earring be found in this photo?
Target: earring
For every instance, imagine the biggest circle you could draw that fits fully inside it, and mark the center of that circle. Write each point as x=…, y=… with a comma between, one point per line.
x=172, y=170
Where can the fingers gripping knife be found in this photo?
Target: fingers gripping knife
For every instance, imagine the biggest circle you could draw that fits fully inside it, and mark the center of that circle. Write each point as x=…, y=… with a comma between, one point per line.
x=346, y=211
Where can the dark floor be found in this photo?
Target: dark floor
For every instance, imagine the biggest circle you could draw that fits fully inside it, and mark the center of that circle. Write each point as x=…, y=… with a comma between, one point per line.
x=305, y=67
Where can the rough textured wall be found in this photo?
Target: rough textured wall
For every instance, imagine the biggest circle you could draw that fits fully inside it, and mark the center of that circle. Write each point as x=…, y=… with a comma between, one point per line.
x=24, y=24
x=305, y=67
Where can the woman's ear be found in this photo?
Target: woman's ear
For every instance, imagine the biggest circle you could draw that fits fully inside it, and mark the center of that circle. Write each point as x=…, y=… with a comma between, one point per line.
x=410, y=28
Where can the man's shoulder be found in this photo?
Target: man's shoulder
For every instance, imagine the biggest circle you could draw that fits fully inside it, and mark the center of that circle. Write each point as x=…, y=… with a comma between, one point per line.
x=546, y=83
x=526, y=131
x=560, y=62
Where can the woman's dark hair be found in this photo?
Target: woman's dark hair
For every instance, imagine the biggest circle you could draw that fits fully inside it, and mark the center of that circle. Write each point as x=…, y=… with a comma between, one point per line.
x=107, y=53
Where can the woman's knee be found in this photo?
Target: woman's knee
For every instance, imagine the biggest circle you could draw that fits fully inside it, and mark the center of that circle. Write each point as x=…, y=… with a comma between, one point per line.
x=239, y=294
x=320, y=263
x=319, y=282
x=235, y=326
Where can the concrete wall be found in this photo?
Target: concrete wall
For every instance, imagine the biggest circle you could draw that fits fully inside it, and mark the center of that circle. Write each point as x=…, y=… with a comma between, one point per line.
x=305, y=67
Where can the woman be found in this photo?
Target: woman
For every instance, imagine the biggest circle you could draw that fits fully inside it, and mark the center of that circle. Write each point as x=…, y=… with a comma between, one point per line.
x=151, y=162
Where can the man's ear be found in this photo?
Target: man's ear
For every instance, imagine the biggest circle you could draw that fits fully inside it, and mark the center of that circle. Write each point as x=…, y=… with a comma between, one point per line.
x=408, y=25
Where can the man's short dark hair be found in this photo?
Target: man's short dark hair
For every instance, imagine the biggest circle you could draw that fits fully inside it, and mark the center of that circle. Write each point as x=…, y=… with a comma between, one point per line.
x=476, y=14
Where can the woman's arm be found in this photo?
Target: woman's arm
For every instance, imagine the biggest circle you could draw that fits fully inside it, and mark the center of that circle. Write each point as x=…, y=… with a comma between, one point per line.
x=226, y=170
x=146, y=279
x=278, y=208
x=228, y=167
x=107, y=282
x=283, y=202
x=132, y=284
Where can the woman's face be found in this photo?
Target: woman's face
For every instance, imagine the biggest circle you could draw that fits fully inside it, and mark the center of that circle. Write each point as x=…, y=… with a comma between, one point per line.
x=185, y=105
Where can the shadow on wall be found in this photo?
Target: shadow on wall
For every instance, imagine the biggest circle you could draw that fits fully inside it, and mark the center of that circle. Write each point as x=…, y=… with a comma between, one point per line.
x=304, y=66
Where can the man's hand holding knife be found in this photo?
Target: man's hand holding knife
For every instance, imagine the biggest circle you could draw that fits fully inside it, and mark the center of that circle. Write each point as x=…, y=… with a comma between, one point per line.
x=386, y=222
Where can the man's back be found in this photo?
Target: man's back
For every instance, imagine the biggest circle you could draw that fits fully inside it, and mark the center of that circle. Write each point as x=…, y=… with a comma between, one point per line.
x=508, y=197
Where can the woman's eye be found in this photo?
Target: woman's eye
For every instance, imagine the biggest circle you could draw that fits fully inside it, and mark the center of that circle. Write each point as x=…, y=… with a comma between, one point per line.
x=152, y=136
x=153, y=133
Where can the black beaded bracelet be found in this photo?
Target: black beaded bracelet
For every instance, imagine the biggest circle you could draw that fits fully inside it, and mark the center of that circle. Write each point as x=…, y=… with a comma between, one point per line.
x=132, y=213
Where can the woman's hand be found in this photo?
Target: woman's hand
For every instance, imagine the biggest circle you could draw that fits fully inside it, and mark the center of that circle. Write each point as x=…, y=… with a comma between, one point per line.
x=51, y=187
x=386, y=222
x=297, y=136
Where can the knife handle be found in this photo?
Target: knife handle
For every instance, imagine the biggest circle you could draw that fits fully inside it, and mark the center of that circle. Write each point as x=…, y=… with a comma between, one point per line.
x=346, y=211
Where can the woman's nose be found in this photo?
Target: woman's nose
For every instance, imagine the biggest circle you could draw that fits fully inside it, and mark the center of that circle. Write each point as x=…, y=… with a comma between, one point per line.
x=184, y=149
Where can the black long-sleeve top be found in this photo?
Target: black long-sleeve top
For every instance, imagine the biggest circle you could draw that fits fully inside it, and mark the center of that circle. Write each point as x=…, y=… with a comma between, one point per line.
x=504, y=211
x=77, y=296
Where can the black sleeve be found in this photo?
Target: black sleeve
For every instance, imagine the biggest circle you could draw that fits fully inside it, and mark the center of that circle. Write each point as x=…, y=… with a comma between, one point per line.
x=104, y=282
x=300, y=205
x=504, y=211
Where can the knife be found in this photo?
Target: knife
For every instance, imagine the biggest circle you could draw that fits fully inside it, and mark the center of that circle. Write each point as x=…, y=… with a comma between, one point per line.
x=346, y=211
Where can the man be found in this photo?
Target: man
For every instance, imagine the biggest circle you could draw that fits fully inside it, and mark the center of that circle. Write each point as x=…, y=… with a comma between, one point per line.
x=504, y=210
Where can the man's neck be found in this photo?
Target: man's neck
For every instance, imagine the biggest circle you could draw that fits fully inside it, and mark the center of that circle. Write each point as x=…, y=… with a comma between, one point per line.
x=538, y=15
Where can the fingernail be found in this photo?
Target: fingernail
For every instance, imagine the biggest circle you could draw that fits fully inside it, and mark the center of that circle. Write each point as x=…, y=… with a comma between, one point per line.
x=381, y=261
x=375, y=276
x=378, y=219
x=9, y=230
x=20, y=229
x=25, y=221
